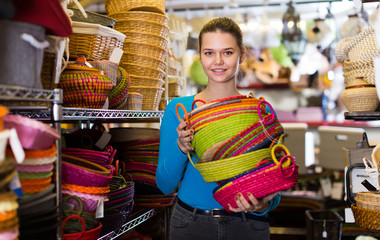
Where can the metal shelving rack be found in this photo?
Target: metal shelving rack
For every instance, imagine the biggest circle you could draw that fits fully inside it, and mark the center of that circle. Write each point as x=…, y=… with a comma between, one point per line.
x=56, y=114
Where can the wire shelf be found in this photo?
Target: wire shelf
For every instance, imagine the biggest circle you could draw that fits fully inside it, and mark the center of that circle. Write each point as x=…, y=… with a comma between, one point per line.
x=129, y=225
x=15, y=93
x=96, y=114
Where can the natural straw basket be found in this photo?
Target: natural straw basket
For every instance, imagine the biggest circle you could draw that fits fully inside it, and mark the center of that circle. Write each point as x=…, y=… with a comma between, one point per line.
x=147, y=38
x=143, y=70
x=134, y=101
x=146, y=81
x=355, y=69
x=120, y=6
x=148, y=27
x=151, y=96
x=366, y=218
x=145, y=49
x=142, y=60
x=360, y=98
x=142, y=15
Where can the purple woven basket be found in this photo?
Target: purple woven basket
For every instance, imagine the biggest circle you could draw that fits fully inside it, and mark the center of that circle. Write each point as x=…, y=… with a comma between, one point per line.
x=102, y=158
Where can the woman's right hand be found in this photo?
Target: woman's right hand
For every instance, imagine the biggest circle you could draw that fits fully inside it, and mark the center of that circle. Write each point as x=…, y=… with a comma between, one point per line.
x=185, y=137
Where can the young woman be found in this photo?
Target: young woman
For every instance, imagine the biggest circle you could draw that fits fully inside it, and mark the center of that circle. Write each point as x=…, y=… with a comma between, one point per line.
x=221, y=51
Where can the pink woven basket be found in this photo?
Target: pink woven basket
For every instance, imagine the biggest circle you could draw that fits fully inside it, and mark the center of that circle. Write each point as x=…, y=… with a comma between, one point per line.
x=102, y=158
x=89, y=201
x=77, y=174
x=270, y=177
x=33, y=134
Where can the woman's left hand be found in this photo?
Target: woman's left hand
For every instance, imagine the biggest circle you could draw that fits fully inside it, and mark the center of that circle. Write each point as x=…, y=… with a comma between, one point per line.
x=252, y=204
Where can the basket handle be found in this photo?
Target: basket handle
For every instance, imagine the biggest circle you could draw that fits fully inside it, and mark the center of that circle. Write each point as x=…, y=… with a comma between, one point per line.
x=197, y=100
x=78, y=200
x=278, y=140
x=293, y=165
x=80, y=219
x=259, y=112
x=195, y=156
x=276, y=149
x=184, y=109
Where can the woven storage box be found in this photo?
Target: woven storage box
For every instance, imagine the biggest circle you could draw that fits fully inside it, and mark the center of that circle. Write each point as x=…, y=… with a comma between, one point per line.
x=134, y=101
x=145, y=49
x=151, y=96
x=129, y=58
x=360, y=98
x=117, y=6
x=94, y=40
x=143, y=71
x=22, y=47
x=142, y=16
x=146, y=81
x=92, y=17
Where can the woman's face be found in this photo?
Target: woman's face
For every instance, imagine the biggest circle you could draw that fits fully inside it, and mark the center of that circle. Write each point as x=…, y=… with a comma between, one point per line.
x=220, y=56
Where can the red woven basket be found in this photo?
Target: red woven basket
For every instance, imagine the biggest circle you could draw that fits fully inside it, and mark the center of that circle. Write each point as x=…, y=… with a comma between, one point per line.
x=83, y=235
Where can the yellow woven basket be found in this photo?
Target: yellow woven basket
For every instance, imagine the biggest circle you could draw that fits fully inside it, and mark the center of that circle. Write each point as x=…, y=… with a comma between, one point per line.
x=142, y=15
x=119, y=6
x=147, y=39
x=146, y=81
x=151, y=96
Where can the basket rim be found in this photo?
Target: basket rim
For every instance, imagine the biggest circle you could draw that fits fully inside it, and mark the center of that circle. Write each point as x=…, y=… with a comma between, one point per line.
x=139, y=12
x=138, y=65
x=139, y=43
x=160, y=88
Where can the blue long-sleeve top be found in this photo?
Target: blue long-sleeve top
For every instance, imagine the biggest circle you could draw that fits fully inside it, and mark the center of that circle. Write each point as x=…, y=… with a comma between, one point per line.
x=175, y=170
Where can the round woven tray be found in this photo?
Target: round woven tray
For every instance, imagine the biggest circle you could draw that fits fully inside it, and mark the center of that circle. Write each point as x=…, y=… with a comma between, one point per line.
x=116, y=6
x=142, y=15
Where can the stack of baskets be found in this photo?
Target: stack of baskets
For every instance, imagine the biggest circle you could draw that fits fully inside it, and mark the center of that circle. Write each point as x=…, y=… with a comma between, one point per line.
x=367, y=210
x=357, y=54
x=144, y=24
x=236, y=142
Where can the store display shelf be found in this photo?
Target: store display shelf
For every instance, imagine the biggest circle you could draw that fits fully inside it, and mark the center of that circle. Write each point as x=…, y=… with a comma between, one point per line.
x=129, y=225
x=104, y=114
x=15, y=93
x=362, y=116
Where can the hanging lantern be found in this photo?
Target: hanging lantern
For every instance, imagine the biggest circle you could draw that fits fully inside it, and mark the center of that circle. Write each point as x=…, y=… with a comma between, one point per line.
x=291, y=33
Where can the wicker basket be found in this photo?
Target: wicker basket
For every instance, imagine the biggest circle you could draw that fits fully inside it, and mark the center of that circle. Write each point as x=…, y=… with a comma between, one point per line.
x=145, y=50
x=147, y=38
x=355, y=69
x=366, y=218
x=174, y=89
x=142, y=60
x=146, y=81
x=144, y=71
x=109, y=68
x=151, y=96
x=148, y=27
x=134, y=101
x=360, y=98
x=93, y=40
x=142, y=15
x=120, y=6
x=47, y=70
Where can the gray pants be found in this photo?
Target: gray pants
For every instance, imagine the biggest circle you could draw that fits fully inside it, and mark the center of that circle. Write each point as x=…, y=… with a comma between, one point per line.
x=186, y=225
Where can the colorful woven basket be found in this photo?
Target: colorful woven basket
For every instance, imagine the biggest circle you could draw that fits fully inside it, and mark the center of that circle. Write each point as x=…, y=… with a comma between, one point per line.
x=119, y=95
x=82, y=172
x=107, y=67
x=85, y=235
x=102, y=158
x=266, y=178
x=134, y=101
